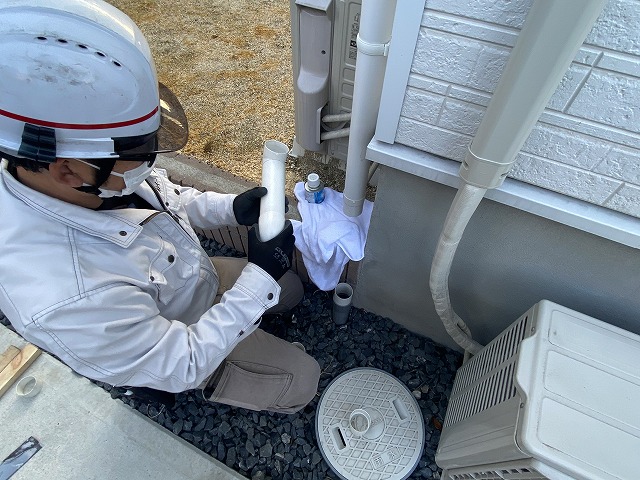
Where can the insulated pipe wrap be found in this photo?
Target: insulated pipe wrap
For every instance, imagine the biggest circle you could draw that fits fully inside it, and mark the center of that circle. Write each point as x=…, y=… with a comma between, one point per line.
x=552, y=34
x=272, y=205
x=462, y=209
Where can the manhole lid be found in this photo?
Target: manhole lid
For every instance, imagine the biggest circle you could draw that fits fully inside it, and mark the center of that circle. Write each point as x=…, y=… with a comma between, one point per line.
x=369, y=426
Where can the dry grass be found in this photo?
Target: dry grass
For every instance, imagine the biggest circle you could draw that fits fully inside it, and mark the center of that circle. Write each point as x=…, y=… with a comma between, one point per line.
x=229, y=62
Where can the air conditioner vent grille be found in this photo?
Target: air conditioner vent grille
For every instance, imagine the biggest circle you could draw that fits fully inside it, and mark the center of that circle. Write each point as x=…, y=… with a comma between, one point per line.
x=487, y=379
x=498, y=474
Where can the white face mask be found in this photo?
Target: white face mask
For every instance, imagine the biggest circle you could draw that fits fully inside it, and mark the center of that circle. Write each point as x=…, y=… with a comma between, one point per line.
x=132, y=180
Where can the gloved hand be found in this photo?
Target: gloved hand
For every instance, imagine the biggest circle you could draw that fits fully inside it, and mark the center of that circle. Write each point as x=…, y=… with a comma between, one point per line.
x=246, y=206
x=273, y=256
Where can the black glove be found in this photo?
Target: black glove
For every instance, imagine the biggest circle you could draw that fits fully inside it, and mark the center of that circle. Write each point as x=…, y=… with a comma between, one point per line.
x=246, y=206
x=273, y=256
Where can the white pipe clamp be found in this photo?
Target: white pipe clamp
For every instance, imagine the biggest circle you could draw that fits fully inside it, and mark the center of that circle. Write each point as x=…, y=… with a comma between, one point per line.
x=373, y=49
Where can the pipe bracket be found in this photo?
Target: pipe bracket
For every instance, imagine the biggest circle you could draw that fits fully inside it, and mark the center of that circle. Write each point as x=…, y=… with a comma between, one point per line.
x=373, y=49
x=483, y=172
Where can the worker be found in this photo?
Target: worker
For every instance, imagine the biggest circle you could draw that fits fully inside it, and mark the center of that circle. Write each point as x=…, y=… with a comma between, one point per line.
x=99, y=261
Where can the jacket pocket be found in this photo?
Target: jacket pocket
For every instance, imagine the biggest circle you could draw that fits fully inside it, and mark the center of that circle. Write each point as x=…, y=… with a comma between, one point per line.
x=169, y=272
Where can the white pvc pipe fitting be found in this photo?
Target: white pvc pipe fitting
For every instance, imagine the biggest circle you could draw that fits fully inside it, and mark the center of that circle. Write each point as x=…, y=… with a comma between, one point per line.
x=272, y=205
x=28, y=386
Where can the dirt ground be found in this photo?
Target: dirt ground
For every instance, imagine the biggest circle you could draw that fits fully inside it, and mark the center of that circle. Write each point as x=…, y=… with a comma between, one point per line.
x=229, y=63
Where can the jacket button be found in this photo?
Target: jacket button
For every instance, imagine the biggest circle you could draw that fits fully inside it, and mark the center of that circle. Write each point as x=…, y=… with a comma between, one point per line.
x=171, y=258
x=123, y=233
x=152, y=278
x=177, y=192
x=270, y=296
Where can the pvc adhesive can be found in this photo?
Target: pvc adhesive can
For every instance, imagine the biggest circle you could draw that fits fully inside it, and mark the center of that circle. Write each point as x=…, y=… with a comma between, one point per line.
x=313, y=189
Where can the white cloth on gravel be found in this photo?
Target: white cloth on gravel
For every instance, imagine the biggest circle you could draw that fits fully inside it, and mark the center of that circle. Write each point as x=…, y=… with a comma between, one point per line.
x=327, y=238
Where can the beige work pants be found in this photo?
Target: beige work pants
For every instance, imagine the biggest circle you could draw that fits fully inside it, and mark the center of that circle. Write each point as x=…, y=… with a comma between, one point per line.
x=263, y=372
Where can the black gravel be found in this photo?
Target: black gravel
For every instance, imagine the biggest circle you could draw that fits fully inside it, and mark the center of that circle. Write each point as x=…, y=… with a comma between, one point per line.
x=264, y=446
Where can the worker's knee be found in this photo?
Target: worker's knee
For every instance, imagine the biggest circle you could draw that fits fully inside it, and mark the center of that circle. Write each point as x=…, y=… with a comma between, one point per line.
x=303, y=388
x=283, y=381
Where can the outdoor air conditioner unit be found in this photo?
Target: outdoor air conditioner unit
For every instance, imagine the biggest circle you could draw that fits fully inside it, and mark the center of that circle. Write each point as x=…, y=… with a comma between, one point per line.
x=324, y=49
x=554, y=396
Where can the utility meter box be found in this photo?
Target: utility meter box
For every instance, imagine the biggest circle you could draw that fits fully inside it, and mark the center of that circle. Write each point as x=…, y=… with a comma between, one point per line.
x=324, y=52
x=554, y=396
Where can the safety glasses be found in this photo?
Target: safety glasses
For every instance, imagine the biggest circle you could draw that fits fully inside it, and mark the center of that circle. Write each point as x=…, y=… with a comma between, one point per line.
x=149, y=159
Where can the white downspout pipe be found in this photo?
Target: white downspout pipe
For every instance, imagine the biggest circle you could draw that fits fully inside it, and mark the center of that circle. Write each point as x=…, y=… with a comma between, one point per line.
x=376, y=22
x=552, y=34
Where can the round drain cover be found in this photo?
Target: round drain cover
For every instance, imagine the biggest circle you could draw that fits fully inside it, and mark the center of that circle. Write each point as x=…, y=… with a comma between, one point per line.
x=369, y=426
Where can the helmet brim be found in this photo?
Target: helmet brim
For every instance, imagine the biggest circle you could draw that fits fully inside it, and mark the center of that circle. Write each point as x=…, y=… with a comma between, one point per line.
x=174, y=129
x=171, y=136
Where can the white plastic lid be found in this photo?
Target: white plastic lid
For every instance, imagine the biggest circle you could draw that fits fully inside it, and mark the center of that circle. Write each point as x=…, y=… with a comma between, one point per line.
x=369, y=426
x=313, y=180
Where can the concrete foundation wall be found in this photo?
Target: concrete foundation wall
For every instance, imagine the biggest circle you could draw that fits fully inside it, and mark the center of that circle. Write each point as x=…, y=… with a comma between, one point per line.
x=507, y=261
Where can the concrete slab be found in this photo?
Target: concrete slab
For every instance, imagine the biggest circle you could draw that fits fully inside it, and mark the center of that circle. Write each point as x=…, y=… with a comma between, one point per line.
x=85, y=434
x=201, y=175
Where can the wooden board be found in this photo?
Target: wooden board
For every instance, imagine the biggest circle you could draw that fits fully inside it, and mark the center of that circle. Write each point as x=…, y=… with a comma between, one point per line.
x=8, y=355
x=215, y=234
x=244, y=237
x=226, y=238
x=17, y=366
x=236, y=239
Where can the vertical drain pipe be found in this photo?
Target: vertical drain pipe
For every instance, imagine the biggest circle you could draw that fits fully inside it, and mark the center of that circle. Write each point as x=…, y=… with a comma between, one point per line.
x=552, y=34
x=374, y=35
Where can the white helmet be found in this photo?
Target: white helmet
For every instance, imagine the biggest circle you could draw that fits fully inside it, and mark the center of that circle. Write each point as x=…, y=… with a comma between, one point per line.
x=77, y=81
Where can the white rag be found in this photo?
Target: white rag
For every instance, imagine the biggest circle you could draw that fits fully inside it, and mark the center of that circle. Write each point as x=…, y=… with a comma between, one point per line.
x=327, y=238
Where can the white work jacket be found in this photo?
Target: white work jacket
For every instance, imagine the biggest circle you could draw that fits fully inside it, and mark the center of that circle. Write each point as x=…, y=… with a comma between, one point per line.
x=125, y=296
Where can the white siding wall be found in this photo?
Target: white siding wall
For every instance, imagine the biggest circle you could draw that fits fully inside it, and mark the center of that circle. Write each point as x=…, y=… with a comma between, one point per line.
x=587, y=142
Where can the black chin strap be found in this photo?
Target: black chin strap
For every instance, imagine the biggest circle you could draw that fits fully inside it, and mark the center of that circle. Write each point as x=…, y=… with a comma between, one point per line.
x=89, y=189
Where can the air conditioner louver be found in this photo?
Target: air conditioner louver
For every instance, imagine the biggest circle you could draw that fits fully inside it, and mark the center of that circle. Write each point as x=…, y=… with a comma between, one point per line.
x=488, y=380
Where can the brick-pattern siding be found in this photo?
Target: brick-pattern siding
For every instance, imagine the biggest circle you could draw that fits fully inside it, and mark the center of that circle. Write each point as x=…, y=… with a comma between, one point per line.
x=587, y=142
